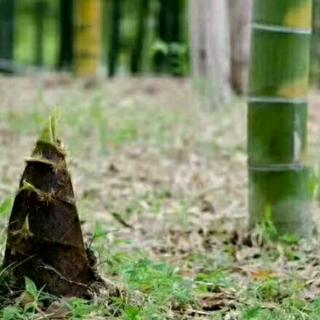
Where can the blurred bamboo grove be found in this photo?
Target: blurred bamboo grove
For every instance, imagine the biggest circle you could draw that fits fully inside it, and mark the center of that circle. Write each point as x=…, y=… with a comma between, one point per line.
x=89, y=36
x=208, y=39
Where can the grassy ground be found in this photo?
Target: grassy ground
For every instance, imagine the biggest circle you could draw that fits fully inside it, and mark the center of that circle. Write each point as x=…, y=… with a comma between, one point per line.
x=161, y=188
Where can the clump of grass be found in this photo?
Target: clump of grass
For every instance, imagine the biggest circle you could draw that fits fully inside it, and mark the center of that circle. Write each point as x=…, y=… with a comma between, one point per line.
x=161, y=286
x=214, y=281
x=35, y=303
x=28, y=305
x=297, y=309
x=150, y=289
x=278, y=299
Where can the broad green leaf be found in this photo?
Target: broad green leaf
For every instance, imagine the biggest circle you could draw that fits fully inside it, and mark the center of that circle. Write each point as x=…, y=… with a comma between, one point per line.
x=6, y=206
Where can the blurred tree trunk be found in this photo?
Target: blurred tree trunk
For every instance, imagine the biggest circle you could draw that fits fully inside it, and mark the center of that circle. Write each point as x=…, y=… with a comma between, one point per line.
x=88, y=49
x=65, y=58
x=240, y=16
x=7, y=28
x=211, y=49
x=198, y=39
x=315, y=48
x=279, y=185
x=142, y=24
x=114, y=36
x=39, y=20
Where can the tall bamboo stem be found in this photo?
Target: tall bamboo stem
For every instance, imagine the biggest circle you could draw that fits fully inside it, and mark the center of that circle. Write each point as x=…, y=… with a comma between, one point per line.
x=39, y=22
x=142, y=24
x=88, y=38
x=7, y=23
x=277, y=115
x=114, y=36
x=315, y=48
x=65, y=58
x=169, y=31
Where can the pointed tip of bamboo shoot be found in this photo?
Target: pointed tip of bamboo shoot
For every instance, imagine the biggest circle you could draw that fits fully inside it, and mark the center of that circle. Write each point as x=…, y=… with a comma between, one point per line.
x=49, y=133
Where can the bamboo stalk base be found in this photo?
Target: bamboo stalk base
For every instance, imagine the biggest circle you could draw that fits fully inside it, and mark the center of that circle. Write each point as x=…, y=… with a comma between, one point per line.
x=283, y=196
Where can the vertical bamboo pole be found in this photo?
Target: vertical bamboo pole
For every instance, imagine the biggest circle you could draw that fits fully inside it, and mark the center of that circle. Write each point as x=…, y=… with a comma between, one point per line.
x=315, y=48
x=65, y=58
x=138, y=46
x=7, y=22
x=169, y=30
x=277, y=115
x=88, y=37
x=39, y=22
x=114, y=36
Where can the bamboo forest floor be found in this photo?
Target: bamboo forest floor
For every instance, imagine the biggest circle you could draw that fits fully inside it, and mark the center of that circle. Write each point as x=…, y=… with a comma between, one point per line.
x=161, y=187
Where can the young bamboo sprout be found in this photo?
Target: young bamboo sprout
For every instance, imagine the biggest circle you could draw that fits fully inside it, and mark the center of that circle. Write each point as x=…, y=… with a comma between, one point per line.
x=44, y=241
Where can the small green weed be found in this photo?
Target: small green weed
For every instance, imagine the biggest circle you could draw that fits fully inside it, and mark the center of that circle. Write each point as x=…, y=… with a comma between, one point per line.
x=213, y=281
x=28, y=305
x=275, y=290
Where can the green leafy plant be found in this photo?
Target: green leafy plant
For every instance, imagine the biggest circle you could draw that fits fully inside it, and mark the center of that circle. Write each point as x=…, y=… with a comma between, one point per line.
x=80, y=308
x=172, y=56
x=28, y=305
x=6, y=206
x=212, y=282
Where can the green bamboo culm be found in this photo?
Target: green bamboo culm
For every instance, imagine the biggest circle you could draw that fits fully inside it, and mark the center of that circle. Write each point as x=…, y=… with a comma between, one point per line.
x=315, y=45
x=277, y=115
x=7, y=23
x=66, y=21
x=39, y=9
x=114, y=36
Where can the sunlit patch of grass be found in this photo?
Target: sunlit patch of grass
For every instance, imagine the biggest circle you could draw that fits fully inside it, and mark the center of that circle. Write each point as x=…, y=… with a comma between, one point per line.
x=106, y=125
x=151, y=203
x=290, y=309
x=275, y=290
x=162, y=289
x=81, y=309
x=153, y=289
x=25, y=123
x=214, y=281
x=278, y=299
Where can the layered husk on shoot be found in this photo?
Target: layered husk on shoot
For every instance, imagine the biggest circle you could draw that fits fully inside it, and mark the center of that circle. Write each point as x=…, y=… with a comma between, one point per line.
x=44, y=241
